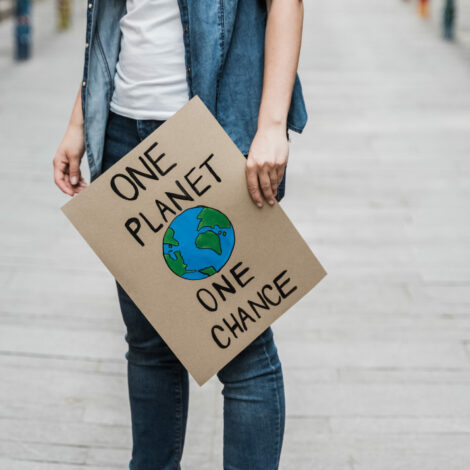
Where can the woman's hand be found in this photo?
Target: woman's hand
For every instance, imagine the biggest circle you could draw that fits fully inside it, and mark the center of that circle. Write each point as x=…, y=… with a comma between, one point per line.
x=67, y=175
x=266, y=163
x=67, y=159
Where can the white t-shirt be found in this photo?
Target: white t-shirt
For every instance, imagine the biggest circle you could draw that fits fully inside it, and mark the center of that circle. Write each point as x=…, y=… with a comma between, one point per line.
x=150, y=80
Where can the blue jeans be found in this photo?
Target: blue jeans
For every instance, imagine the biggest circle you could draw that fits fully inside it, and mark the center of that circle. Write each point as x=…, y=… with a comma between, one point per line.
x=253, y=387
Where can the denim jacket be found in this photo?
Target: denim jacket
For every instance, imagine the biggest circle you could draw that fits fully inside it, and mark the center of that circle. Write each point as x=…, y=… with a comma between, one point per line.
x=224, y=55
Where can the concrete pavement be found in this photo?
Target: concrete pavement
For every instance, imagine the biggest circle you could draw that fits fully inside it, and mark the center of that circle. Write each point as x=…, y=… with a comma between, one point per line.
x=376, y=359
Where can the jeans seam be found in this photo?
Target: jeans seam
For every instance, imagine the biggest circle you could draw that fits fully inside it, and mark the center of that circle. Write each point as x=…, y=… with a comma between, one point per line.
x=179, y=417
x=140, y=129
x=278, y=423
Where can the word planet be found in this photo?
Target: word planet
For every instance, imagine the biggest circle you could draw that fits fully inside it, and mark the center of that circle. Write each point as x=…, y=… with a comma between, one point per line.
x=198, y=242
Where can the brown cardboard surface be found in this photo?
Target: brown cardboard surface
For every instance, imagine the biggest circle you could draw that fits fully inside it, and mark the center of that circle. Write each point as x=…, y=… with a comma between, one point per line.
x=270, y=267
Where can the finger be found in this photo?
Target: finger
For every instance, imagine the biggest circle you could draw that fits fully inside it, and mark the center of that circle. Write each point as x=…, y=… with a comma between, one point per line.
x=74, y=170
x=252, y=184
x=265, y=183
x=78, y=187
x=75, y=188
x=59, y=179
x=273, y=179
x=81, y=186
x=280, y=174
x=67, y=181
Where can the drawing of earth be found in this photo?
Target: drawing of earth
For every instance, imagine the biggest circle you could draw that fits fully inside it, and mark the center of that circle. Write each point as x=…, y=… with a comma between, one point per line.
x=198, y=242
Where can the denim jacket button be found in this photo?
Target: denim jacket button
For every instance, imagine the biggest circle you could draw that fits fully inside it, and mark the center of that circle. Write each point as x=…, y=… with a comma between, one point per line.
x=86, y=45
x=186, y=30
x=188, y=69
x=83, y=83
x=90, y=5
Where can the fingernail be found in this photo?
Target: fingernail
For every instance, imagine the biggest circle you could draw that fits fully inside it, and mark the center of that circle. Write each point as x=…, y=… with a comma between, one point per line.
x=74, y=180
x=259, y=205
x=271, y=201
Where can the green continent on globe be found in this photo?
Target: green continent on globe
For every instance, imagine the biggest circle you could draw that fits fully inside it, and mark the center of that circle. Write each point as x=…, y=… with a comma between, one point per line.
x=169, y=237
x=178, y=266
x=209, y=270
x=209, y=240
x=210, y=218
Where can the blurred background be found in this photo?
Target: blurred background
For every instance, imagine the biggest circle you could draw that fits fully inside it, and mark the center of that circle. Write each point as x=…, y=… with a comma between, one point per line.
x=376, y=358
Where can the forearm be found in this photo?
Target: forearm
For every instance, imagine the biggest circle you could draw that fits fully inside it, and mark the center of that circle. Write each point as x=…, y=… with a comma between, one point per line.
x=76, y=118
x=282, y=49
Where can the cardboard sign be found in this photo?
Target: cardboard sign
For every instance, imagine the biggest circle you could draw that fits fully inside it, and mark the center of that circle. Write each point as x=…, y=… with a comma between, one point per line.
x=174, y=223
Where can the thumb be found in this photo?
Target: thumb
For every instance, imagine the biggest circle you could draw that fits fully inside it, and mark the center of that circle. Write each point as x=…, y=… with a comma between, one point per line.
x=74, y=170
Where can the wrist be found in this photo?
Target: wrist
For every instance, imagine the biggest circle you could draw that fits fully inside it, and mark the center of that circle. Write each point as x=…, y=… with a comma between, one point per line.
x=272, y=116
x=272, y=125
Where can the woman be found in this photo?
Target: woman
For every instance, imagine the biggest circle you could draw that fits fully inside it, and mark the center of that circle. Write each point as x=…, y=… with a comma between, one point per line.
x=240, y=57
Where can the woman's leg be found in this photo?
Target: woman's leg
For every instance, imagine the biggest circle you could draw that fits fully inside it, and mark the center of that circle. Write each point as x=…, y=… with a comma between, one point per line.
x=254, y=402
x=254, y=407
x=158, y=394
x=158, y=383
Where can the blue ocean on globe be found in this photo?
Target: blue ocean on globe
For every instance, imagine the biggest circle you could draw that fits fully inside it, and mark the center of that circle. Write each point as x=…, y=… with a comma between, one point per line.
x=198, y=242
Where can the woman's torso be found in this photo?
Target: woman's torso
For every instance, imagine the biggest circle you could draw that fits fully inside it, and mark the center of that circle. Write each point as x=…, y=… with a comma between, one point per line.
x=224, y=59
x=150, y=78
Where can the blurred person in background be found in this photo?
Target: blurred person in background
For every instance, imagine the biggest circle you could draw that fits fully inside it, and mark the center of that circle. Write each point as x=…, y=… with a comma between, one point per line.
x=143, y=61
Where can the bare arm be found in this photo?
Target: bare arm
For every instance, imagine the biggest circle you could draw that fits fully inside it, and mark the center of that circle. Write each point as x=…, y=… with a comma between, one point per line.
x=67, y=175
x=269, y=150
